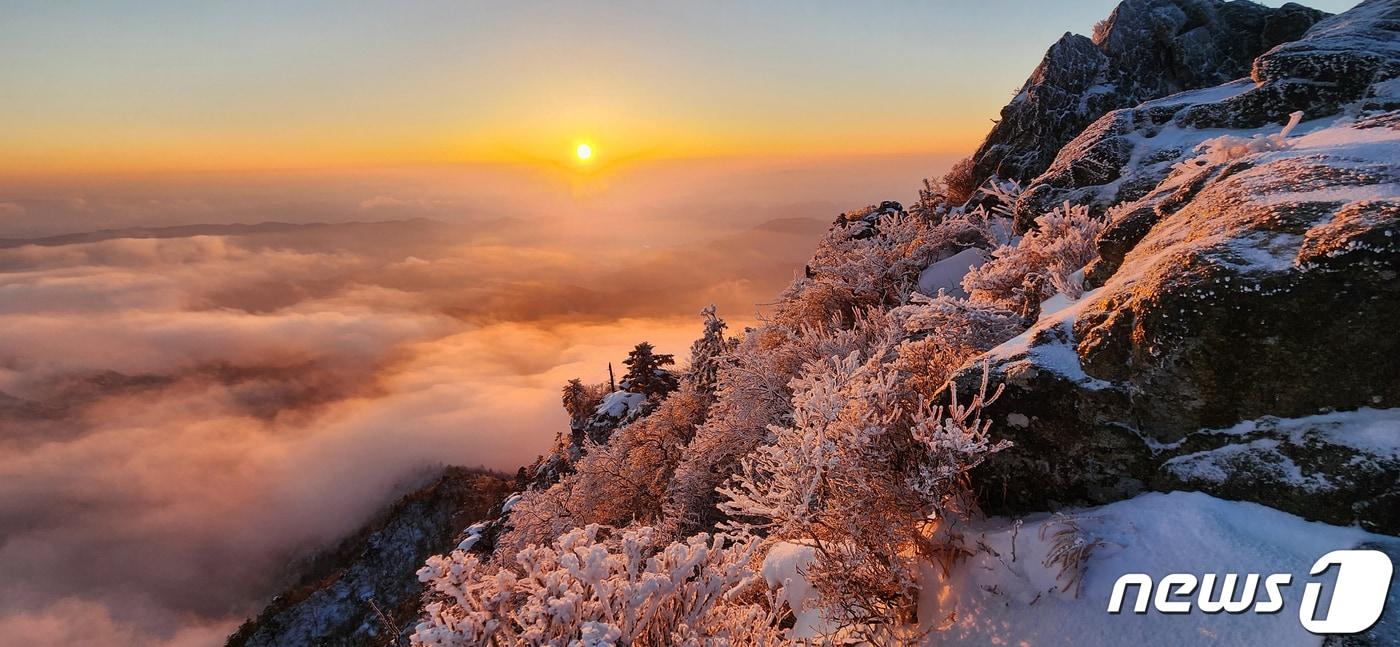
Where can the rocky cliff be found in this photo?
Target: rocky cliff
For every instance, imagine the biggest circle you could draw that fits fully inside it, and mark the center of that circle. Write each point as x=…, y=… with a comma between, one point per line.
x=1146, y=49
x=1247, y=289
x=365, y=591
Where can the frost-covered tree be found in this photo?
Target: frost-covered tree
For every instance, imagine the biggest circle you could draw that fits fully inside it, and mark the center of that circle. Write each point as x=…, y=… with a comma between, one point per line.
x=599, y=586
x=862, y=477
x=645, y=372
x=576, y=400
x=626, y=479
x=707, y=353
x=754, y=393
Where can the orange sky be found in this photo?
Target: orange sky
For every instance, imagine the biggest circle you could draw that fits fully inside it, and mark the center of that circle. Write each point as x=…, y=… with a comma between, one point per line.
x=180, y=87
x=175, y=86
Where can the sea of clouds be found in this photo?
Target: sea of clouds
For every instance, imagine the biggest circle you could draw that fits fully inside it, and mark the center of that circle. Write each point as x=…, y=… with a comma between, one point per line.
x=184, y=413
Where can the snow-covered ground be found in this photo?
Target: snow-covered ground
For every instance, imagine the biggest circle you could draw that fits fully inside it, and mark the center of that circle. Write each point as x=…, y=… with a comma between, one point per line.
x=1007, y=594
x=1001, y=596
x=947, y=274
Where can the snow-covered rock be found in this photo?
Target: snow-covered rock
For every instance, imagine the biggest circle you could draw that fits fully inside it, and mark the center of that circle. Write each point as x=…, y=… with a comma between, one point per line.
x=865, y=222
x=784, y=570
x=1336, y=466
x=1128, y=152
x=1146, y=49
x=619, y=404
x=1247, y=275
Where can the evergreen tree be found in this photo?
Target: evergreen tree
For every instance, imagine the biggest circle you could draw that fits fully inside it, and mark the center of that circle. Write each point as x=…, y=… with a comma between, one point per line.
x=707, y=352
x=576, y=400
x=645, y=374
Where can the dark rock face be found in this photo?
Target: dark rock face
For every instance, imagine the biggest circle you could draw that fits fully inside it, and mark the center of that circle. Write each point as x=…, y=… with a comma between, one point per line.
x=1146, y=49
x=1305, y=464
x=1245, y=315
x=866, y=222
x=1127, y=153
x=1274, y=291
x=366, y=590
x=1250, y=277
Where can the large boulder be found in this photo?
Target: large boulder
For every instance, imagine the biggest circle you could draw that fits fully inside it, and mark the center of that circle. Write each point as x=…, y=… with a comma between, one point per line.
x=1146, y=49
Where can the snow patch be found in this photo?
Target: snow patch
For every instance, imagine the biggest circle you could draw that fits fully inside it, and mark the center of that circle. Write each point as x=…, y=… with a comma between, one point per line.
x=474, y=532
x=783, y=567
x=1053, y=347
x=1212, y=94
x=1054, y=304
x=1366, y=430
x=619, y=404
x=1261, y=458
x=1005, y=594
x=947, y=274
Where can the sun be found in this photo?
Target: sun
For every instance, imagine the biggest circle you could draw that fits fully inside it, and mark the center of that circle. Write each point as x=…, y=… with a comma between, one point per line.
x=584, y=151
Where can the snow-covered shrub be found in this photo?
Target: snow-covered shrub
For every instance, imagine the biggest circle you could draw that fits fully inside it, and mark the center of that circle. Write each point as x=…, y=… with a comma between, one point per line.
x=627, y=478
x=854, y=270
x=932, y=203
x=538, y=517
x=1045, y=261
x=624, y=479
x=1070, y=549
x=1067, y=238
x=597, y=586
x=960, y=323
x=753, y=393
x=944, y=333
x=1003, y=192
x=857, y=475
x=960, y=181
x=927, y=363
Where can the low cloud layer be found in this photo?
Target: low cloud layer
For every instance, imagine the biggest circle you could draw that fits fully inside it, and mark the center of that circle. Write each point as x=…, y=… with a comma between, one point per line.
x=183, y=412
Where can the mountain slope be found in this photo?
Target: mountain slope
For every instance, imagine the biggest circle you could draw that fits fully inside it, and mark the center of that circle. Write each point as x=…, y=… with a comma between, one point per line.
x=1241, y=263
x=1144, y=50
x=365, y=591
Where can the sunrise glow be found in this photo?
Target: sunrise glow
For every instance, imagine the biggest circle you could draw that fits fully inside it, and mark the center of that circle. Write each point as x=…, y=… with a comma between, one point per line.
x=739, y=323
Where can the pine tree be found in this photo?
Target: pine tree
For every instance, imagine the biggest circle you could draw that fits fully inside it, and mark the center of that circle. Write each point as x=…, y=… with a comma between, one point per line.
x=576, y=400
x=645, y=374
x=706, y=353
